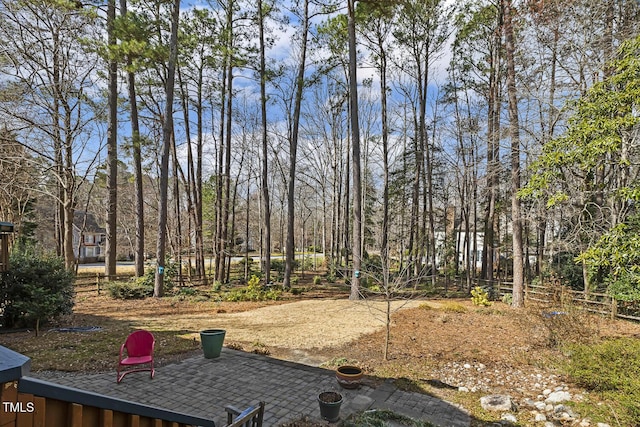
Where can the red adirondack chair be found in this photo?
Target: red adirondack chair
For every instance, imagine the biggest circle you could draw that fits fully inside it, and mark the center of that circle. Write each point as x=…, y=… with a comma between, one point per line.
x=139, y=352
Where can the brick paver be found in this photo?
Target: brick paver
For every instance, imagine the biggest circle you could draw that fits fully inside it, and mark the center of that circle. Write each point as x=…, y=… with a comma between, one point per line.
x=202, y=387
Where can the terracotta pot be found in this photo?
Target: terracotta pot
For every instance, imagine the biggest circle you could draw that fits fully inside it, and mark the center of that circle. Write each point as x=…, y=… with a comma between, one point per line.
x=349, y=376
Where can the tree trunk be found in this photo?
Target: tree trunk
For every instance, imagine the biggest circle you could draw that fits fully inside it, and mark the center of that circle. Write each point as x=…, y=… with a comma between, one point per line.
x=293, y=149
x=137, y=161
x=355, y=144
x=265, y=147
x=493, y=158
x=112, y=148
x=514, y=133
x=384, y=245
x=167, y=132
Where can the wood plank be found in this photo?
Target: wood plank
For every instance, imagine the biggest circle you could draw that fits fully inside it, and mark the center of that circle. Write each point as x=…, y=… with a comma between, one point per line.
x=106, y=418
x=40, y=414
x=8, y=393
x=26, y=407
x=157, y=423
x=134, y=420
x=75, y=415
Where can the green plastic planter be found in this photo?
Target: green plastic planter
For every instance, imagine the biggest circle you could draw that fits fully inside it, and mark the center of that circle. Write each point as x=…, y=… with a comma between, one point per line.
x=330, y=402
x=212, y=340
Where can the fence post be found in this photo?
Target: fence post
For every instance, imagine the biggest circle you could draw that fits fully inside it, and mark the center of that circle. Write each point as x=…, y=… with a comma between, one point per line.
x=614, y=308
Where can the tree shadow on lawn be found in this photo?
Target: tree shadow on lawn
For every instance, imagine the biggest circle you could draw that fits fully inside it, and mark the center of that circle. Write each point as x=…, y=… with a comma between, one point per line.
x=96, y=350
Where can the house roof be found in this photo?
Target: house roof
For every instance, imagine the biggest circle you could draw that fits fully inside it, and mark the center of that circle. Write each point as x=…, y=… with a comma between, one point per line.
x=91, y=225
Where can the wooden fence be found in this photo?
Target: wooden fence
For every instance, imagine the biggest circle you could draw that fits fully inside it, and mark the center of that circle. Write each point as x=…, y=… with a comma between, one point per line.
x=95, y=283
x=551, y=294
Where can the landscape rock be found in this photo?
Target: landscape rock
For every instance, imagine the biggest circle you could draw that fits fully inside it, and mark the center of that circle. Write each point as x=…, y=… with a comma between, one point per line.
x=602, y=425
x=509, y=417
x=496, y=402
x=540, y=406
x=540, y=418
x=558, y=396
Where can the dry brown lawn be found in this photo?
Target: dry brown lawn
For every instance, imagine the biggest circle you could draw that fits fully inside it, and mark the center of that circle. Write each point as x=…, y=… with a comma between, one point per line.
x=430, y=340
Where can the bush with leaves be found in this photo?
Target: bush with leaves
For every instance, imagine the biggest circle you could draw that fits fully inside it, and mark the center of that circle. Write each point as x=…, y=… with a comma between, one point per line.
x=142, y=287
x=37, y=288
x=612, y=369
x=480, y=296
x=254, y=292
x=135, y=289
x=564, y=266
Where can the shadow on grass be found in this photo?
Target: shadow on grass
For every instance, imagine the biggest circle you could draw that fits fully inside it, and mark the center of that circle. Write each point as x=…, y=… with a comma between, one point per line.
x=96, y=350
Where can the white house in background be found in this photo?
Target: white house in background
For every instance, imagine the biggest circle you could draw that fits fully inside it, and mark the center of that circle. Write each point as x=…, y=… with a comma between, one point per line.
x=88, y=238
x=463, y=240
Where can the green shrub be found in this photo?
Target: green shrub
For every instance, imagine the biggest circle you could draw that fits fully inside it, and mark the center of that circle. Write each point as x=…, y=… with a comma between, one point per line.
x=149, y=278
x=37, y=288
x=317, y=280
x=611, y=368
x=564, y=266
x=136, y=289
x=187, y=291
x=381, y=418
x=453, y=307
x=143, y=286
x=253, y=292
x=307, y=263
x=277, y=265
x=507, y=299
x=480, y=296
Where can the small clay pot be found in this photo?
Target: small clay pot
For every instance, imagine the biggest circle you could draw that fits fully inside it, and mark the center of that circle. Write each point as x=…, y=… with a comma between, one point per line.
x=349, y=376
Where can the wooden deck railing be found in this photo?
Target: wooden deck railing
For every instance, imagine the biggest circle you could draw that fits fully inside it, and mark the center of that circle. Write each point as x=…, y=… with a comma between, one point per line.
x=30, y=402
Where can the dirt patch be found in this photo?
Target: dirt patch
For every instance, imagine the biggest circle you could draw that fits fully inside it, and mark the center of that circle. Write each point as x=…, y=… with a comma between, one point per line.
x=317, y=324
x=302, y=325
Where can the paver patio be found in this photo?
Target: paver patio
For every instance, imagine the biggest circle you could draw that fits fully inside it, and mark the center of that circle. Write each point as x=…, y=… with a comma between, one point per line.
x=202, y=387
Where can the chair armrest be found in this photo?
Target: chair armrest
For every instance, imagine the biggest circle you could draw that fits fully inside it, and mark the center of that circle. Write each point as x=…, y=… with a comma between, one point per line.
x=121, y=351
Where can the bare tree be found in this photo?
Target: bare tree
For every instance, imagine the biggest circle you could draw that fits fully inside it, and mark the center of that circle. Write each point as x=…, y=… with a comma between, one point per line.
x=355, y=144
x=167, y=135
x=136, y=142
x=293, y=143
x=266, y=204
x=514, y=133
x=49, y=77
x=112, y=146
